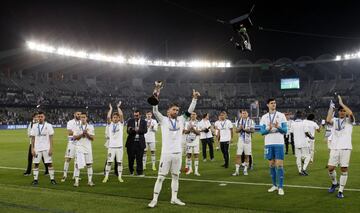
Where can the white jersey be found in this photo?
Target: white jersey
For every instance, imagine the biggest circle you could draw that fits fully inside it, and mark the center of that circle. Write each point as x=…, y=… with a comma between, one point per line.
x=300, y=128
x=341, y=133
x=247, y=124
x=205, y=124
x=289, y=125
x=224, y=129
x=152, y=127
x=115, y=132
x=84, y=144
x=29, y=130
x=312, y=127
x=192, y=138
x=42, y=133
x=71, y=126
x=274, y=136
x=171, y=130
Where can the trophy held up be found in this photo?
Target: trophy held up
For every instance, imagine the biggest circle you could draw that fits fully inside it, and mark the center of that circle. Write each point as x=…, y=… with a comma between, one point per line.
x=154, y=99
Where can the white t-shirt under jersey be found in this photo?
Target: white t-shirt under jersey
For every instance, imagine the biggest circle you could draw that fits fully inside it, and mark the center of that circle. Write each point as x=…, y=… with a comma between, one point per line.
x=341, y=133
x=42, y=133
x=150, y=134
x=274, y=137
x=72, y=125
x=299, y=129
x=312, y=127
x=84, y=144
x=224, y=129
x=205, y=124
x=115, y=134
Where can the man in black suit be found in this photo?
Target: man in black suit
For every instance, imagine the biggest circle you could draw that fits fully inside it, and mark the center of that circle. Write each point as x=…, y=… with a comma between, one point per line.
x=135, y=143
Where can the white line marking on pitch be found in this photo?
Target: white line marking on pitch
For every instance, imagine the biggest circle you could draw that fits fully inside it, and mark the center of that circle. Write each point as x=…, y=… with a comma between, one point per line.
x=212, y=181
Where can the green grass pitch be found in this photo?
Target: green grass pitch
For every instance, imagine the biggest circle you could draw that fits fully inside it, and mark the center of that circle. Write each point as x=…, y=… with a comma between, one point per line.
x=201, y=194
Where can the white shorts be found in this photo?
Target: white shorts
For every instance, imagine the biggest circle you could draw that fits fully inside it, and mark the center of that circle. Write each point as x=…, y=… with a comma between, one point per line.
x=329, y=143
x=243, y=147
x=192, y=148
x=170, y=162
x=151, y=146
x=82, y=159
x=42, y=154
x=339, y=157
x=115, y=152
x=70, y=150
x=302, y=152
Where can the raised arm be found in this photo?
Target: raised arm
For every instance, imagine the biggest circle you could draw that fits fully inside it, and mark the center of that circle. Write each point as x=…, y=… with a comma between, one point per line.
x=108, y=118
x=347, y=109
x=329, y=118
x=192, y=106
x=157, y=114
x=121, y=114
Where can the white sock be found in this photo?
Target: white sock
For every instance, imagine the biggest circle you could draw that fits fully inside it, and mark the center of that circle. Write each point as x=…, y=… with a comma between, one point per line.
x=332, y=176
x=107, y=169
x=66, y=168
x=306, y=162
x=343, y=179
x=196, y=163
x=120, y=169
x=51, y=173
x=74, y=170
x=157, y=187
x=245, y=167
x=298, y=163
x=90, y=173
x=237, y=167
x=76, y=174
x=174, y=186
x=36, y=173
x=144, y=160
x=189, y=163
x=153, y=159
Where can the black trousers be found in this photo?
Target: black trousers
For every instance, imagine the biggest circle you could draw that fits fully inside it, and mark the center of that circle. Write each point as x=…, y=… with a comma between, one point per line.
x=250, y=159
x=225, y=151
x=208, y=142
x=116, y=172
x=135, y=152
x=289, y=139
x=30, y=160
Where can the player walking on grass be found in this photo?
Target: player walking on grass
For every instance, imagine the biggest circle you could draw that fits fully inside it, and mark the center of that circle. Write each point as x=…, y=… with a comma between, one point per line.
x=150, y=141
x=312, y=126
x=245, y=127
x=84, y=137
x=71, y=126
x=340, y=147
x=115, y=132
x=192, y=132
x=172, y=128
x=273, y=126
x=42, y=147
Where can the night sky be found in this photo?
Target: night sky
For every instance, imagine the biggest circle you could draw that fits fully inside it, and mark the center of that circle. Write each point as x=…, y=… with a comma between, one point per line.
x=189, y=28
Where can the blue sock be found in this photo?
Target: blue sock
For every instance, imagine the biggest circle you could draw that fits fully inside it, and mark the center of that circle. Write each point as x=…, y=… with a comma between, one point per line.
x=273, y=175
x=280, y=175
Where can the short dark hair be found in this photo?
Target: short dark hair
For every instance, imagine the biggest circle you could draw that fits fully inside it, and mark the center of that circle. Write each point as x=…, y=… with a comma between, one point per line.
x=298, y=114
x=115, y=113
x=149, y=112
x=269, y=100
x=84, y=113
x=223, y=112
x=40, y=113
x=243, y=110
x=340, y=108
x=173, y=105
x=204, y=115
x=137, y=111
x=311, y=117
x=34, y=114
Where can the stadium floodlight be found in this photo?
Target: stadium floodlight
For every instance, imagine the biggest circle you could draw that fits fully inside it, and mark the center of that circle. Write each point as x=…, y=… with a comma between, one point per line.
x=140, y=61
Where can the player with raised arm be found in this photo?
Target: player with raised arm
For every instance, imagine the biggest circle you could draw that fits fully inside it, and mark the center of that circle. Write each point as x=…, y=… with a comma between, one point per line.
x=341, y=144
x=273, y=126
x=84, y=137
x=115, y=123
x=171, y=130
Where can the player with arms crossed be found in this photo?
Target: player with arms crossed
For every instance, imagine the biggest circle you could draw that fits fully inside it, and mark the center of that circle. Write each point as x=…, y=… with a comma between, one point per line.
x=84, y=136
x=115, y=133
x=340, y=147
x=42, y=147
x=245, y=127
x=171, y=156
x=70, y=148
x=192, y=132
x=274, y=125
x=150, y=141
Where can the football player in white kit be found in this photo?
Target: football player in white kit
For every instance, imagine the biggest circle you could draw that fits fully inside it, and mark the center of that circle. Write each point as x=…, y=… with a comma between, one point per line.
x=115, y=147
x=42, y=146
x=312, y=128
x=341, y=145
x=224, y=129
x=84, y=136
x=70, y=148
x=245, y=127
x=150, y=140
x=172, y=128
x=192, y=132
x=302, y=145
